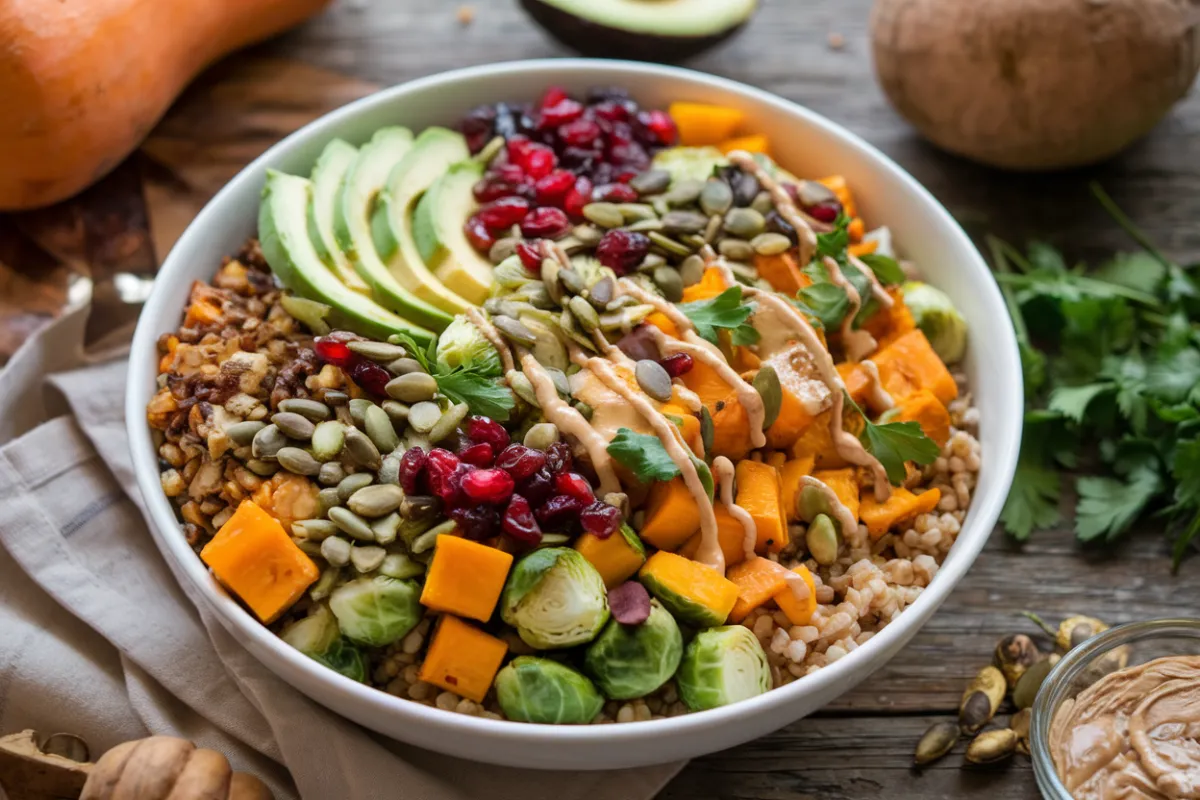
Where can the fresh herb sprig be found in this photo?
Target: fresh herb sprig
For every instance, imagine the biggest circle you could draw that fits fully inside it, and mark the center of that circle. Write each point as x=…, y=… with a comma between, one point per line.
x=462, y=384
x=726, y=311
x=648, y=460
x=827, y=301
x=894, y=443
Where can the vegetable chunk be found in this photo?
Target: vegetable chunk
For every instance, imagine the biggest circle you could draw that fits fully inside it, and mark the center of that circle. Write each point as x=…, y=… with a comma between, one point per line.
x=671, y=515
x=758, y=581
x=909, y=364
x=616, y=557
x=730, y=537
x=691, y=591
x=760, y=492
x=704, y=124
x=462, y=659
x=465, y=578
x=798, y=612
x=928, y=412
x=901, y=508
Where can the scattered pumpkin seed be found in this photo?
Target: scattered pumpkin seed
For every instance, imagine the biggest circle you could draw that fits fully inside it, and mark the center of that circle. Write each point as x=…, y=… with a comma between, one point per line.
x=553, y=539
x=693, y=240
x=602, y=292
x=351, y=524
x=981, y=698
x=267, y=442
x=684, y=192
x=549, y=273
x=312, y=410
x=668, y=244
x=744, y=223
x=937, y=742
x=336, y=551
x=523, y=388
x=811, y=501
x=991, y=747
x=587, y=316
x=367, y=558
x=1026, y=690
x=713, y=229
x=261, y=468
x=449, y=422
x=811, y=193
x=419, y=507
x=606, y=215
x=328, y=438
x=668, y=280
x=572, y=281
x=559, y=379
x=389, y=468
x=243, y=433
x=428, y=539
x=403, y=366
x=691, y=271
x=362, y=449
x=293, y=425
x=1015, y=654
x=645, y=226
x=619, y=501
x=677, y=222
x=386, y=528
x=396, y=411
x=762, y=203
x=328, y=498
x=653, y=379
x=650, y=262
x=770, y=244
x=380, y=429
x=822, y=540
x=314, y=529
x=411, y=388
x=502, y=249
x=587, y=235
x=382, y=352
x=423, y=416
x=332, y=473
x=766, y=383
x=736, y=249
x=325, y=584
x=400, y=566
x=352, y=484
x=376, y=500
x=333, y=397
x=653, y=181
x=358, y=410
x=632, y=212
x=716, y=197
x=541, y=435
x=707, y=429
x=514, y=331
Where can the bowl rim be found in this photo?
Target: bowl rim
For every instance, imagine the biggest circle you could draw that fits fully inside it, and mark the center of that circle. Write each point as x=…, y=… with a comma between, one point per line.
x=164, y=524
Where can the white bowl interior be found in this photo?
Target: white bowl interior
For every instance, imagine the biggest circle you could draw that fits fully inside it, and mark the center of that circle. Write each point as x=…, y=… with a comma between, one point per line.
x=803, y=142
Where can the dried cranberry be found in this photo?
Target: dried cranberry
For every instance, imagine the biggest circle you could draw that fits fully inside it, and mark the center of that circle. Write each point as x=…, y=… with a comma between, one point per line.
x=482, y=429
x=333, y=352
x=537, y=160
x=511, y=173
x=581, y=160
x=825, y=212
x=625, y=176
x=477, y=127
x=370, y=376
x=519, y=524
x=578, y=197
x=661, y=125
x=612, y=110
x=621, y=251
x=631, y=155
x=553, y=96
x=582, y=132
x=600, y=519
x=552, y=189
x=504, y=213
x=518, y=147
x=677, y=364
x=492, y=187
x=630, y=603
x=614, y=193
x=777, y=224
x=476, y=522
x=531, y=256
x=560, y=113
x=488, y=485
x=575, y=485
x=520, y=461
x=478, y=234
x=559, y=458
x=411, y=464
x=443, y=474
x=559, y=511
x=618, y=133
x=480, y=455
x=545, y=223
x=538, y=487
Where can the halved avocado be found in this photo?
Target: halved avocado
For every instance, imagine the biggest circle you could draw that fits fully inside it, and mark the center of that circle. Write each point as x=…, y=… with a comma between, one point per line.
x=327, y=176
x=433, y=152
x=283, y=235
x=646, y=30
x=352, y=226
x=438, y=230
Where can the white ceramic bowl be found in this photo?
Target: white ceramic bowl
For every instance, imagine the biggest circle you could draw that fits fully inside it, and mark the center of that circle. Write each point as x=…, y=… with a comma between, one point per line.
x=806, y=144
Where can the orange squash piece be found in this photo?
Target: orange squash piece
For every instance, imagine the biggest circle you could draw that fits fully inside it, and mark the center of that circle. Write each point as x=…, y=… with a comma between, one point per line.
x=909, y=364
x=465, y=577
x=695, y=594
x=663, y=323
x=837, y=184
x=857, y=381
x=616, y=558
x=856, y=229
x=758, y=581
x=744, y=360
x=754, y=143
x=798, y=612
x=793, y=420
x=776, y=459
x=760, y=492
x=688, y=423
x=254, y=558
x=703, y=124
x=790, y=473
x=711, y=284
x=731, y=537
x=899, y=509
x=782, y=272
x=927, y=411
x=843, y=484
x=860, y=249
x=889, y=324
x=671, y=515
x=731, y=424
x=462, y=659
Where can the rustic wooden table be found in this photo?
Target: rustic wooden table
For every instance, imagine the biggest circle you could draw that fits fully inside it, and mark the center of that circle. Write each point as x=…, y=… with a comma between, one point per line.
x=861, y=745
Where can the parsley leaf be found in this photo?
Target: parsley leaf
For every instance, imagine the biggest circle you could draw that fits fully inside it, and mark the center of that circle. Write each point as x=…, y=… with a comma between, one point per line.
x=834, y=243
x=893, y=443
x=725, y=311
x=1185, y=469
x=485, y=396
x=886, y=269
x=1108, y=506
x=423, y=357
x=827, y=302
x=1140, y=271
x=1032, y=502
x=643, y=455
x=1072, y=401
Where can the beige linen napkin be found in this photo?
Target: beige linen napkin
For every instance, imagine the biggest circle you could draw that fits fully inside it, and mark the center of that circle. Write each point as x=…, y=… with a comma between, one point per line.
x=98, y=638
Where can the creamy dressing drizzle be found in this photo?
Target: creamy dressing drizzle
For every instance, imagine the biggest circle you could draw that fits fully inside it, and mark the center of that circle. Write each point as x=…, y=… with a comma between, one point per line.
x=806, y=226
x=489, y=332
x=858, y=343
x=877, y=396
x=877, y=290
x=845, y=518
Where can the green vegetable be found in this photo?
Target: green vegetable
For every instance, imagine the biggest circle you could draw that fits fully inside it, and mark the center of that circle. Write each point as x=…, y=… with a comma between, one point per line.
x=937, y=317
x=465, y=371
x=894, y=443
x=824, y=299
x=628, y=661
x=462, y=346
x=722, y=666
x=886, y=269
x=555, y=598
x=540, y=690
x=646, y=457
x=376, y=611
x=726, y=311
x=318, y=637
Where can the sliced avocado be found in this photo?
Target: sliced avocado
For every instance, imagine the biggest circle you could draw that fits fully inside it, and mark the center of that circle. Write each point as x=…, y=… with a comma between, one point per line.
x=283, y=235
x=352, y=226
x=644, y=30
x=327, y=176
x=437, y=227
x=694, y=163
x=434, y=151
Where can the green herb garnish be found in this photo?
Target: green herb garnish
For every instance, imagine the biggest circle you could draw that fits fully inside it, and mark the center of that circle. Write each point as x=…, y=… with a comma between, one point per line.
x=894, y=443
x=472, y=383
x=726, y=311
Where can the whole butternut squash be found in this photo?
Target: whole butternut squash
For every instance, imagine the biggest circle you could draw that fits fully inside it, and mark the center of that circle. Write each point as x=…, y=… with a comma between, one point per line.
x=84, y=82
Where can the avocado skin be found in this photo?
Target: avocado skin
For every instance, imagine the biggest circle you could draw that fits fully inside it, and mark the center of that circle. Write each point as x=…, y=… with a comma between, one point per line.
x=603, y=41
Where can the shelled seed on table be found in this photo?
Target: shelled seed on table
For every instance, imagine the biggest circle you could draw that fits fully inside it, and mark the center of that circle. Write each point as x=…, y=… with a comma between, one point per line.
x=332, y=473
x=366, y=558
x=298, y=461
x=403, y=366
x=423, y=416
x=378, y=351
x=328, y=438
x=449, y=421
x=376, y=501
x=358, y=410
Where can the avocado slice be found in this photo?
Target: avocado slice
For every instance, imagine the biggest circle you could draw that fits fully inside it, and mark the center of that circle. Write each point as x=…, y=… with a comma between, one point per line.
x=352, y=226
x=643, y=30
x=438, y=230
x=283, y=236
x=689, y=163
x=327, y=176
x=433, y=152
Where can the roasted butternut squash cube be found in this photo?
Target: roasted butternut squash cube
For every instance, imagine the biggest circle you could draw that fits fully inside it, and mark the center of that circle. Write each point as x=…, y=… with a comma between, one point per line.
x=616, y=558
x=909, y=364
x=782, y=272
x=703, y=124
x=760, y=492
x=837, y=184
x=758, y=580
x=754, y=143
x=731, y=537
x=793, y=419
x=711, y=284
x=663, y=323
x=889, y=324
x=672, y=515
x=790, y=473
x=465, y=577
x=799, y=611
x=927, y=411
x=254, y=558
x=899, y=510
x=844, y=484
x=695, y=594
x=462, y=659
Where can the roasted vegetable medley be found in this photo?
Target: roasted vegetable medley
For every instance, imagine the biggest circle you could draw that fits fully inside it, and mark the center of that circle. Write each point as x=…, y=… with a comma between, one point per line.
x=589, y=413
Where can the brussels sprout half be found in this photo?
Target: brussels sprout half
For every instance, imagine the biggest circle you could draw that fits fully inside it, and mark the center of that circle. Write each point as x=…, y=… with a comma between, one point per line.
x=462, y=345
x=938, y=319
x=533, y=689
x=722, y=666
x=376, y=611
x=628, y=661
x=555, y=598
x=318, y=637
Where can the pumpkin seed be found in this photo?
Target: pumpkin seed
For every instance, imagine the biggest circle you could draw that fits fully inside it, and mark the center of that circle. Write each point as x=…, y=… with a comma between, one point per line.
x=602, y=292
x=744, y=272
x=314, y=529
x=502, y=249
x=336, y=551
x=619, y=501
x=736, y=249
x=744, y=223
x=707, y=430
x=691, y=271
x=328, y=438
x=766, y=383
x=428, y=539
x=358, y=410
x=386, y=528
x=449, y=422
x=311, y=409
x=382, y=352
x=423, y=416
x=298, y=461
x=762, y=203
x=403, y=366
x=645, y=226
x=713, y=229
x=293, y=425
x=400, y=566
x=677, y=222
x=376, y=500
x=1015, y=654
x=653, y=379
x=389, y=468
x=650, y=262
x=684, y=192
x=548, y=350
x=584, y=313
x=550, y=270
x=325, y=584
x=514, y=331
x=380, y=430
x=396, y=411
x=937, y=742
x=351, y=524
x=572, y=281
x=243, y=433
x=411, y=388
x=716, y=197
x=584, y=410
x=745, y=187
x=811, y=501
x=362, y=449
x=328, y=498
x=669, y=245
x=810, y=193
x=490, y=150
x=981, y=698
x=770, y=244
x=367, y=558
x=606, y=215
x=523, y=388
x=1026, y=690
x=990, y=747
x=541, y=435
x=267, y=442
x=668, y=280
x=332, y=473
x=587, y=235
x=310, y=313
x=822, y=540
x=413, y=439
x=559, y=379
x=263, y=469
x=635, y=212
x=510, y=273
x=333, y=397
x=654, y=181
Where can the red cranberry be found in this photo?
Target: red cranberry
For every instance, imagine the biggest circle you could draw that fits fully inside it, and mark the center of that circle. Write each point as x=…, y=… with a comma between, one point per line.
x=559, y=511
x=559, y=458
x=510, y=173
x=482, y=429
x=553, y=96
x=488, y=485
x=621, y=251
x=521, y=461
x=677, y=364
x=537, y=160
x=538, y=487
x=562, y=112
x=443, y=474
x=476, y=126
x=492, y=187
x=578, y=197
x=630, y=603
x=580, y=133
x=575, y=485
x=477, y=455
x=478, y=234
x=531, y=256
x=825, y=212
x=611, y=110
x=793, y=191
x=517, y=148
x=600, y=519
x=475, y=522
x=554, y=187
x=333, y=352
x=545, y=223
x=661, y=125
x=632, y=155
x=625, y=176
x=614, y=193
x=504, y=213
x=370, y=376
x=411, y=464
x=519, y=524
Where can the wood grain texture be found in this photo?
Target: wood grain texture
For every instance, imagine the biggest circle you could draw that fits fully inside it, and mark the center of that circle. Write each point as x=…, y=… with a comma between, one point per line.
x=861, y=745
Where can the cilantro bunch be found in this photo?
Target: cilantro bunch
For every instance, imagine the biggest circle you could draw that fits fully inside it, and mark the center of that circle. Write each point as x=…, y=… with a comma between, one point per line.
x=1111, y=357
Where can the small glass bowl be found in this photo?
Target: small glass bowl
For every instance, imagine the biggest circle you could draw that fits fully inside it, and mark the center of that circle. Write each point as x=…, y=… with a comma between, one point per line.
x=1145, y=641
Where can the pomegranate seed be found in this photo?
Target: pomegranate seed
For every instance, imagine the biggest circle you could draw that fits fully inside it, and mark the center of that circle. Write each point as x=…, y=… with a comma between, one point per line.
x=621, y=250
x=492, y=188
x=574, y=485
x=559, y=511
x=614, y=193
x=531, y=256
x=562, y=112
x=662, y=126
x=333, y=352
x=518, y=147
x=600, y=519
x=411, y=464
x=518, y=522
x=442, y=470
x=521, y=461
x=510, y=173
x=677, y=364
x=553, y=188
x=582, y=133
x=538, y=161
x=504, y=213
x=482, y=429
x=825, y=212
x=553, y=96
x=578, y=197
x=477, y=455
x=546, y=223
x=478, y=234
x=538, y=487
x=475, y=522
x=488, y=485
x=370, y=376
x=559, y=458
